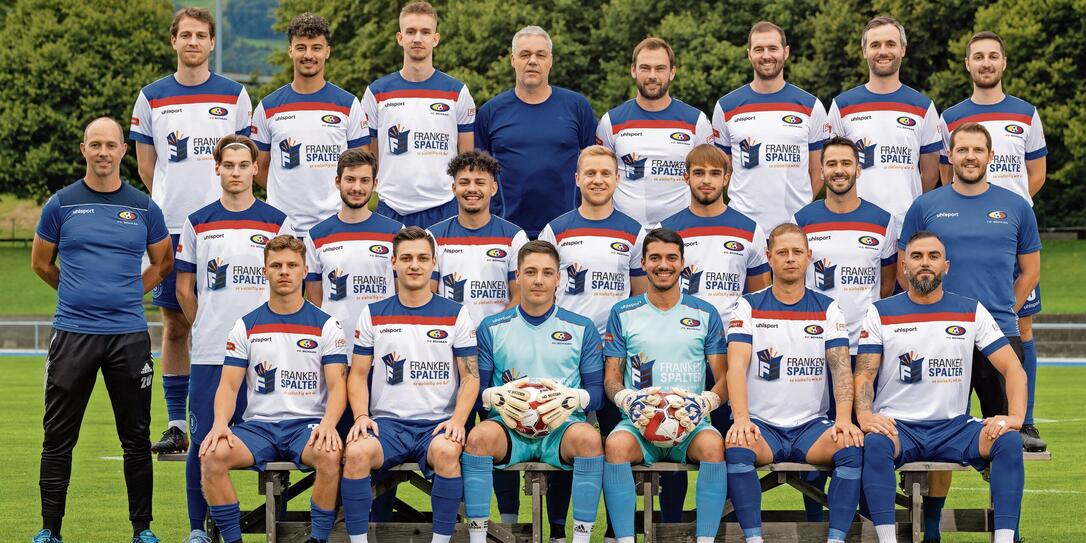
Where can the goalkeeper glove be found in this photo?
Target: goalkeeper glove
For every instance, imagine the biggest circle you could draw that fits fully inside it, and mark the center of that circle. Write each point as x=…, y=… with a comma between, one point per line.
x=692, y=408
x=639, y=405
x=559, y=402
x=509, y=400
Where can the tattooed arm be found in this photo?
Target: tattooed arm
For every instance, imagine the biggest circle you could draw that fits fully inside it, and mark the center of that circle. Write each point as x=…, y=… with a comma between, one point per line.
x=841, y=370
x=867, y=368
x=469, y=388
x=612, y=376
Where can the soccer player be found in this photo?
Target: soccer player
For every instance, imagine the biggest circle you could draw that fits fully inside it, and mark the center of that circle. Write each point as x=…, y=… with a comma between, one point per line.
x=476, y=261
x=419, y=119
x=780, y=342
x=421, y=400
x=99, y=228
x=1018, y=164
x=290, y=356
x=540, y=340
x=220, y=260
x=306, y=124
x=536, y=131
x=653, y=134
x=668, y=339
x=894, y=127
x=772, y=132
x=914, y=355
x=176, y=123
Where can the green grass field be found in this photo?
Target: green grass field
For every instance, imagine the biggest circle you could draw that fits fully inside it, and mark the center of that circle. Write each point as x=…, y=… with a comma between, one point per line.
x=97, y=507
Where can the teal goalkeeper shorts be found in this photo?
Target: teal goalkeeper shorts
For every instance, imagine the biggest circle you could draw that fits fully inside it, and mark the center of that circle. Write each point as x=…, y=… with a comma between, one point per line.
x=653, y=453
x=546, y=449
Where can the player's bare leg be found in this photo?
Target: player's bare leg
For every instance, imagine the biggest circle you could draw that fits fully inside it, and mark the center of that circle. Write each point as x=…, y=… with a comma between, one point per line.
x=363, y=456
x=326, y=462
x=444, y=457
x=222, y=499
x=176, y=332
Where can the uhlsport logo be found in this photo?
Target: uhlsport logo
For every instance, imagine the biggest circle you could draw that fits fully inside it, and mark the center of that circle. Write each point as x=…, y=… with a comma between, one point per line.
x=769, y=364
x=393, y=368
x=689, y=322
x=634, y=166
x=218, y=111
x=575, y=278
x=331, y=119
x=866, y=150
x=997, y=215
x=680, y=136
x=398, y=137
x=748, y=153
x=561, y=335
x=178, y=145
x=642, y=370
x=825, y=274
x=496, y=253
x=291, y=152
x=1014, y=129
x=454, y=287
x=870, y=241
x=620, y=247
x=126, y=215
x=379, y=249
x=691, y=278
x=437, y=333
x=307, y=343
x=259, y=239
x=911, y=367
x=792, y=119
x=216, y=274
x=439, y=107
x=955, y=330
x=733, y=246
x=337, y=281
x=906, y=121
x=265, y=378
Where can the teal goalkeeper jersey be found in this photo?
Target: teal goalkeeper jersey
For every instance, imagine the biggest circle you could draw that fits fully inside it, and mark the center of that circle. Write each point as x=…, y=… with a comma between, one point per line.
x=561, y=345
x=664, y=349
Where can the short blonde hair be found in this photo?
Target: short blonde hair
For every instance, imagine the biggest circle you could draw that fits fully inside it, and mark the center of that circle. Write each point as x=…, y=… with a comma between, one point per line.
x=596, y=150
x=419, y=8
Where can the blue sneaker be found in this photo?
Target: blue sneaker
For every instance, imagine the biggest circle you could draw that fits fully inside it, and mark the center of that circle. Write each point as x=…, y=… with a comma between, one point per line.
x=46, y=536
x=146, y=536
x=198, y=536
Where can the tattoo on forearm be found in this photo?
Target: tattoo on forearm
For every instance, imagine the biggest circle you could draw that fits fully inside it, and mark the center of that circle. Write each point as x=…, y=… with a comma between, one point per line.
x=611, y=386
x=864, y=397
x=471, y=364
x=867, y=366
x=840, y=368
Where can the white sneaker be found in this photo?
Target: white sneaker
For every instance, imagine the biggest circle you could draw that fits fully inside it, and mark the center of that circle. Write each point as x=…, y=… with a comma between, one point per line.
x=198, y=536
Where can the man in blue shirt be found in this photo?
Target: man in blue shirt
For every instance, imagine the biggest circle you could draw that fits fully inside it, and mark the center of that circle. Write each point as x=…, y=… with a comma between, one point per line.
x=99, y=227
x=536, y=131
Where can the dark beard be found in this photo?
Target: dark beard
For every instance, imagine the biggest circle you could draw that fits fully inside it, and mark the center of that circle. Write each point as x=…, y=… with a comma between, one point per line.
x=354, y=206
x=664, y=86
x=923, y=287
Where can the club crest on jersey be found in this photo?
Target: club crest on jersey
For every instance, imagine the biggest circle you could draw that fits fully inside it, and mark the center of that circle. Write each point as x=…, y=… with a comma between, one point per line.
x=1014, y=129
x=259, y=239
x=792, y=119
x=575, y=278
x=307, y=343
x=911, y=367
x=634, y=166
x=680, y=136
x=216, y=274
x=218, y=112
x=769, y=364
x=126, y=215
x=398, y=138
x=691, y=278
x=870, y=241
x=866, y=150
x=439, y=107
x=178, y=145
x=337, y=280
x=955, y=330
x=454, y=287
x=393, y=368
x=620, y=247
x=331, y=119
x=734, y=246
x=265, y=378
x=641, y=370
x=437, y=333
x=689, y=322
x=561, y=336
x=906, y=121
x=814, y=330
x=291, y=153
x=997, y=215
x=749, y=151
x=825, y=274
x=496, y=253
x=379, y=249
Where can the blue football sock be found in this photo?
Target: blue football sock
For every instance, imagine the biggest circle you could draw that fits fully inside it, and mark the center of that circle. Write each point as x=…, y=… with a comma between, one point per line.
x=445, y=502
x=357, y=499
x=194, y=492
x=933, y=515
x=507, y=489
x=844, y=492
x=1029, y=363
x=228, y=520
x=878, y=478
x=746, y=491
x=587, y=486
x=672, y=495
x=1008, y=480
x=711, y=491
x=176, y=390
x=621, y=497
x=559, y=491
x=478, y=484
x=320, y=521
x=814, y=509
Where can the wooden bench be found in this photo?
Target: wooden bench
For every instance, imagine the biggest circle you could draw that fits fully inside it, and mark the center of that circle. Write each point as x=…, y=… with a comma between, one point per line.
x=282, y=526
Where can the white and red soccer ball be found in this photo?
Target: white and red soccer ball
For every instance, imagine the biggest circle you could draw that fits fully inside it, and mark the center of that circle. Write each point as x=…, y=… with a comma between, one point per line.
x=663, y=429
x=531, y=424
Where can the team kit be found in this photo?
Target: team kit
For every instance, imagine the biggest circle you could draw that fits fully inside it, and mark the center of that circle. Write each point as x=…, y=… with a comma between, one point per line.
x=537, y=286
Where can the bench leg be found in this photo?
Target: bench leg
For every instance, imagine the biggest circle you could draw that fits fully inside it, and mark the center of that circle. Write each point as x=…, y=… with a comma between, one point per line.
x=917, y=511
x=270, y=511
x=649, y=493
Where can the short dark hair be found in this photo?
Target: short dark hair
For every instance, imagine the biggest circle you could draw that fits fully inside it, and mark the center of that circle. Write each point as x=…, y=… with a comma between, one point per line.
x=985, y=35
x=663, y=235
x=233, y=139
x=537, y=246
x=356, y=157
x=200, y=14
x=707, y=154
x=782, y=229
x=308, y=25
x=883, y=21
x=766, y=26
x=653, y=44
x=476, y=160
x=921, y=234
x=971, y=128
x=842, y=142
x=285, y=242
x=412, y=233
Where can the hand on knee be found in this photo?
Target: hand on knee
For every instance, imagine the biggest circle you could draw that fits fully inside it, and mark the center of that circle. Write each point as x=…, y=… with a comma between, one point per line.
x=327, y=461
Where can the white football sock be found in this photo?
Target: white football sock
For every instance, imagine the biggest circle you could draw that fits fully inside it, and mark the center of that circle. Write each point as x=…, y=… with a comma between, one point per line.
x=477, y=530
x=582, y=531
x=887, y=533
x=1004, y=536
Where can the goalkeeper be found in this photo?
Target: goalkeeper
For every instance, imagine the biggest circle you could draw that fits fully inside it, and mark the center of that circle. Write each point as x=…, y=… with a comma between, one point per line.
x=561, y=351
x=657, y=345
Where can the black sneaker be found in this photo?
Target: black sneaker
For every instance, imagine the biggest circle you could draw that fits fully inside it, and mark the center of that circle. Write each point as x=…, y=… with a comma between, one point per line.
x=1031, y=439
x=173, y=441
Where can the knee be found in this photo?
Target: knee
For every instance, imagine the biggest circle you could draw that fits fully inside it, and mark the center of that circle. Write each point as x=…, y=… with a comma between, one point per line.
x=621, y=447
x=444, y=455
x=740, y=456
x=213, y=465
x=174, y=326
x=707, y=447
x=1010, y=442
x=584, y=440
x=325, y=461
x=360, y=453
x=482, y=438
x=878, y=448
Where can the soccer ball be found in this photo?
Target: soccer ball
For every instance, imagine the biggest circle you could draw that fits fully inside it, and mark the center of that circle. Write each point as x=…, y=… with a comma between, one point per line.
x=531, y=424
x=663, y=429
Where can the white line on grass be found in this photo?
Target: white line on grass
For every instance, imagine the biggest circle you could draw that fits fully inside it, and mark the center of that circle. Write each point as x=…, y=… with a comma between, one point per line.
x=1028, y=490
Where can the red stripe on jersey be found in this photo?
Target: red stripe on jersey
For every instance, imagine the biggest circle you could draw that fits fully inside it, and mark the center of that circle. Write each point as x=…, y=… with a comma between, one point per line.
x=981, y=117
x=788, y=315
x=194, y=99
x=884, y=106
x=648, y=123
x=381, y=320
x=352, y=236
x=595, y=233
x=283, y=329
x=837, y=226
x=417, y=93
x=465, y=240
x=926, y=317
x=237, y=225
x=769, y=106
x=700, y=231
x=306, y=106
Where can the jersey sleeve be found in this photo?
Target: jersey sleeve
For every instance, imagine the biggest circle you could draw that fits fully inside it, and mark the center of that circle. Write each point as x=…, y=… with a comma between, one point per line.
x=586, y=129
x=635, y=254
x=369, y=109
x=140, y=130
x=261, y=135
x=484, y=353
x=603, y=132
x=888, y=255
x=185, y=258
x=156, y=223
x=519, y=239
x=836, y=329
x=547, y=234
x=237, y=346
x=989, y=337
x=944, y=132
x=50, y=221
x=363, y=333
x=614, y=341
x=703, y=130
x=837, y=126
x=591, y=350
x=716, y=338
x=312, y=261
x=720, y=130
x=333, y=345
x=740, y=327
x=931, y=140
x=464, y=342
x=243, y=124
x=871, y=332
x=757, y=263
x=465, y=112
x=1035, y=141
x=287, y=229
x=358, y=134
x=1029, y=239
x=820, y=127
